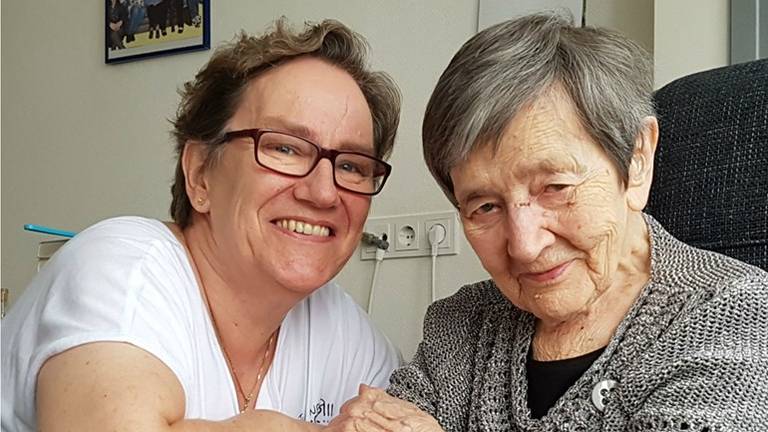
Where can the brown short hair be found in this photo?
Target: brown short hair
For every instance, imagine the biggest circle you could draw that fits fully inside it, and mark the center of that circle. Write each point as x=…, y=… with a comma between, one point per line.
x=608, y=78
x=211, y=99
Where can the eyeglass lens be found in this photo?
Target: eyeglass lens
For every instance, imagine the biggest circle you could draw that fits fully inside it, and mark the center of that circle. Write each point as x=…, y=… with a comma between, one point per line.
x=294, y=156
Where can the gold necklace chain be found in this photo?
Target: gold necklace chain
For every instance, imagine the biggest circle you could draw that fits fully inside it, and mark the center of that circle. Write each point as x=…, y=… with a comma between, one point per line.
x=247, y=399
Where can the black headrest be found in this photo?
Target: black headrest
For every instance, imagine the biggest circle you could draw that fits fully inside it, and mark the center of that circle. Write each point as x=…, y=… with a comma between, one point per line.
x=710, y=186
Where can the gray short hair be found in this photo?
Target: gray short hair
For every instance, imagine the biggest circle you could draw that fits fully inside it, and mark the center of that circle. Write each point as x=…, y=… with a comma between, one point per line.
x=608, y=77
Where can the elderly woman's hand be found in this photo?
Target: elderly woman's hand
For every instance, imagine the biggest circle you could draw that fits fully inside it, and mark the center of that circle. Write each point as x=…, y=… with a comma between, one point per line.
x=373, y=410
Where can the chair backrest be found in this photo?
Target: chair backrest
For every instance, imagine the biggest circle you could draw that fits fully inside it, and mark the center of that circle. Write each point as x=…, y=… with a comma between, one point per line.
x=710, y=186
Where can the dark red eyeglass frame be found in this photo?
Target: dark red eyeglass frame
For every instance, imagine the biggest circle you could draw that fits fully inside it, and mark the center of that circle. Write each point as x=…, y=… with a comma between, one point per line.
x=322, y=153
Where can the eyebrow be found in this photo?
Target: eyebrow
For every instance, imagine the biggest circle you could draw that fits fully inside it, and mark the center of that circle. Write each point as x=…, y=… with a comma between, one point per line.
x=473, y=195
x=555, y=166
x=307, y=133
x=291, y=127
x=550, y=166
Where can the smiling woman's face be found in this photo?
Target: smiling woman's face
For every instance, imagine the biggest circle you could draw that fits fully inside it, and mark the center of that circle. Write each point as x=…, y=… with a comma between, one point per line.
x=546, y=211
x=271, y=228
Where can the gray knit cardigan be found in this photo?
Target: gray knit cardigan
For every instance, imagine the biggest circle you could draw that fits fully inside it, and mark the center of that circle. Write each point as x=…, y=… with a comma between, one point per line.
x=691, y=355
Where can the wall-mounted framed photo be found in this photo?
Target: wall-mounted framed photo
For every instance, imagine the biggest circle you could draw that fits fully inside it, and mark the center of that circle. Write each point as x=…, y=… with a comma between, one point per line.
x=138, y=29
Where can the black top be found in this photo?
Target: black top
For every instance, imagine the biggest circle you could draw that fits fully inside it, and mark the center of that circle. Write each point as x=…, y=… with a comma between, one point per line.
x=549, y=380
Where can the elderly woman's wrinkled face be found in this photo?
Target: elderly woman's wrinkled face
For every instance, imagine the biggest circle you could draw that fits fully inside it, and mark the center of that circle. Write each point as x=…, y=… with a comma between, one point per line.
x=546, y=211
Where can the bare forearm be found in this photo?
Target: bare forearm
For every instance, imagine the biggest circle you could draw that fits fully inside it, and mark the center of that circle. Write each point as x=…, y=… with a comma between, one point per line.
x=103, y=386
x=251, y=421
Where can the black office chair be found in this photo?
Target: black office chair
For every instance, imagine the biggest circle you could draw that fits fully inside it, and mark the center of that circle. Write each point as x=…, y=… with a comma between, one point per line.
x=710, y=186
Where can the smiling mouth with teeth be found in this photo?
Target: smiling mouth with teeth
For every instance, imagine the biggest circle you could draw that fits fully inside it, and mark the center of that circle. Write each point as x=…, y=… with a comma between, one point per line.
x=304, y=228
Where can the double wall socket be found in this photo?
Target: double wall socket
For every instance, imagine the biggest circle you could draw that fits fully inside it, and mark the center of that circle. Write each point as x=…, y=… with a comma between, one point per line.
x=407, y=234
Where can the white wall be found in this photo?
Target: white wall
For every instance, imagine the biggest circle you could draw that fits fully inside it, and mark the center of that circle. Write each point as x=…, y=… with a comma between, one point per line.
x=690, y=36
x=1, y=146
x=85, y=141
x=495, y=11
x=634, y=18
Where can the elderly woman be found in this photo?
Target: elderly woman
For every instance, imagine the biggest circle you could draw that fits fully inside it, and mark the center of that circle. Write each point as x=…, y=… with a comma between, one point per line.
x=226, y=317
x=596, y=318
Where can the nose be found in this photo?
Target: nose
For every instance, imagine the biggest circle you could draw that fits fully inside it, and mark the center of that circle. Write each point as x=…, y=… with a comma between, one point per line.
x=318, y=187
x=527, y=236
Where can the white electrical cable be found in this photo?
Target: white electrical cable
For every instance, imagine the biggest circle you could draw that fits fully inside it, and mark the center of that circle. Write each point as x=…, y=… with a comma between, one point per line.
x=379, y=258
x=435, y=236
x=434, y=277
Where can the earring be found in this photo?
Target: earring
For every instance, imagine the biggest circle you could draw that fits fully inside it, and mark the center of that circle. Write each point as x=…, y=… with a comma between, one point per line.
x=200, y=200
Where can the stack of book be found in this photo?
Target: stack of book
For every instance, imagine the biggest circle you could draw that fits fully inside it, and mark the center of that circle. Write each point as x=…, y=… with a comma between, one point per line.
x=46, y=249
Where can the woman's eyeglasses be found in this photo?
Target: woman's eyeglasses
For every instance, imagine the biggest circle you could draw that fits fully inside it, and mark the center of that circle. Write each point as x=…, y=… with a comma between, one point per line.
x=291, y=155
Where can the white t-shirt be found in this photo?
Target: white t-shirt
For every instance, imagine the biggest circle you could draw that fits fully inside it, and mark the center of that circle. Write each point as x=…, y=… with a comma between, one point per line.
x=129, y=280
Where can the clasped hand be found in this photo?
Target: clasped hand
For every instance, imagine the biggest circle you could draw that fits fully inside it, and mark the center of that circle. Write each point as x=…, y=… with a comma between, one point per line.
x=373, y=410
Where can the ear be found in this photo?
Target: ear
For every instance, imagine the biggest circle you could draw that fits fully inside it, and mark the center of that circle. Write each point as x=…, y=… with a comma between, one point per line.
x=641, y=165
x=196, y=181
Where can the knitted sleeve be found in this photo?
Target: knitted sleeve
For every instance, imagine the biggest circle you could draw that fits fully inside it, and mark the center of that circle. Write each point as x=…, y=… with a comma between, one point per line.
x=712, y=364
x=439, y=379
x=413, y=383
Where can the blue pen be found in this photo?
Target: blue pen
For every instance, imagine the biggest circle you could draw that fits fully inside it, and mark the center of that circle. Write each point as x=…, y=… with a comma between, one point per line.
x=47, y=230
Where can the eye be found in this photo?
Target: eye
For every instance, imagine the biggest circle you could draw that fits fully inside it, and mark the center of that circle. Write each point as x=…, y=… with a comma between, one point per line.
x=485, y=208
x=281, y=149
x=349, y=167
x=355, y=166
x=284, y=149
x=556, y=187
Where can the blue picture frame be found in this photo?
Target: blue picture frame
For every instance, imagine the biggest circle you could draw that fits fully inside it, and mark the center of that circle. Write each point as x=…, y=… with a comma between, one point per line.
x=140, y=29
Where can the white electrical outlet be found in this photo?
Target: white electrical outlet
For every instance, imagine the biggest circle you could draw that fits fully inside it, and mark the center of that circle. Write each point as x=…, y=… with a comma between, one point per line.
x=407, y=234
x=450, y=225
x=381, y=230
